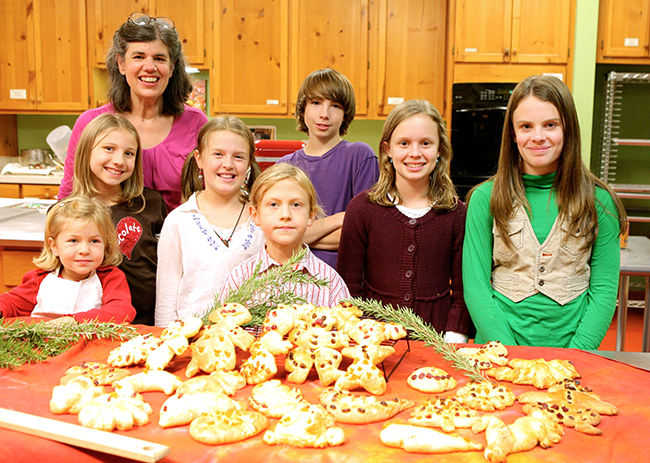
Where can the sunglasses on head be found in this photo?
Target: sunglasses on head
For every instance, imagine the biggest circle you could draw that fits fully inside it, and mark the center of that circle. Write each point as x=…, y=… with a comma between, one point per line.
x=142, y=19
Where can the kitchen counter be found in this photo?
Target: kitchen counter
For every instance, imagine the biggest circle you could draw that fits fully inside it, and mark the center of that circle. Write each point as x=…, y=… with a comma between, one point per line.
x=21, y=238
x=22, y=226
x=53, y=179
x=637, y=359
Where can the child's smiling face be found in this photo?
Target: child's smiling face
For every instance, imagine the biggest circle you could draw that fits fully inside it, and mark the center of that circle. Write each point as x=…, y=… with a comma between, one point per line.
x=538, y=134
x=284, y=213
x=224, y=163
x=80, y=248
x=414, y=150
x=112, y=160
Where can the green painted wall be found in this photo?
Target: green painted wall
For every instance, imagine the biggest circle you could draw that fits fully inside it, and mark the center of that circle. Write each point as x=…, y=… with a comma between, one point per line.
x=584, y=64
x=33, y=128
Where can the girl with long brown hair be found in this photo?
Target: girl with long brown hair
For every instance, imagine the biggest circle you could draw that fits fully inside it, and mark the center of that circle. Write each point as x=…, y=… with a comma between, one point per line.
x=541, y=256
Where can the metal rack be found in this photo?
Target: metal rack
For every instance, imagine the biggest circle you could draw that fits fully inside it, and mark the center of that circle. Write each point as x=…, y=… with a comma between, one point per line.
x=611, y=141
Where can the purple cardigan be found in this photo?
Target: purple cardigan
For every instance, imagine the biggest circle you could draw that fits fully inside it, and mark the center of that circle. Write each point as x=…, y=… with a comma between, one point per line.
x=415, y=263
x=161, y=164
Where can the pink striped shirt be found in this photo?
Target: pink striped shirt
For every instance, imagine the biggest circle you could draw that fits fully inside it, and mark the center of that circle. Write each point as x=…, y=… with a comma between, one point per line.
x=327, y=296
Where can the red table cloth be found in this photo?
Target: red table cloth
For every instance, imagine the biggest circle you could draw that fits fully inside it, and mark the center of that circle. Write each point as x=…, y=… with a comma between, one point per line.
x=625, y=438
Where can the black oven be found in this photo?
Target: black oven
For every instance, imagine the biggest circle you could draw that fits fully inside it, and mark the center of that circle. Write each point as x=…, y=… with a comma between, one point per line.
x=478, y=113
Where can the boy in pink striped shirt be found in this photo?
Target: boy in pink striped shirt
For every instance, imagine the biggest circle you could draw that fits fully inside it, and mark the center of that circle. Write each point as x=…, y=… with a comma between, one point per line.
x=283, y=204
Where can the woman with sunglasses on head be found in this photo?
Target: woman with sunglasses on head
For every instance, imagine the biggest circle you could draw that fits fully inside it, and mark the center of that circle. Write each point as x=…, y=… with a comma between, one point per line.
x=149, y=86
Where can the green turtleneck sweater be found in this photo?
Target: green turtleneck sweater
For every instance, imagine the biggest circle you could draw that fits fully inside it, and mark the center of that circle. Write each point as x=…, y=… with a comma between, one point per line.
x=538, y=320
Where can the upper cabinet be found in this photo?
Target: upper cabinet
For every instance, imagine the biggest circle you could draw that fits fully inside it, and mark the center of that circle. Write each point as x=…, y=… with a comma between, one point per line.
x=624, y=31
x=251, y=66
x=410, y=59
x=512, y=31
x=265, y=48
x=391, y=50
x=43, y=63
x=191, y=19
x=335, y=35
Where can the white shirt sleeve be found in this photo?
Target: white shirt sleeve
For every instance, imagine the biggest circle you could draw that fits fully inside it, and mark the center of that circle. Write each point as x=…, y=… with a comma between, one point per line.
x=456, y=338
x=168, y=275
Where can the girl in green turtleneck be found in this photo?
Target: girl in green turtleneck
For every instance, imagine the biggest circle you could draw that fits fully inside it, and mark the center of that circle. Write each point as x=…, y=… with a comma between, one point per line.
x=541, y=256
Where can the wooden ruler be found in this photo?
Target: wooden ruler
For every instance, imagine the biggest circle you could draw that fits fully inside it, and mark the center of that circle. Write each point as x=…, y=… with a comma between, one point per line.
x=79, y=436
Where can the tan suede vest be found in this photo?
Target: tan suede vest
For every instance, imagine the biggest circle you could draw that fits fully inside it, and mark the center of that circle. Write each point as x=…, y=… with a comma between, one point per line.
x=558, y=269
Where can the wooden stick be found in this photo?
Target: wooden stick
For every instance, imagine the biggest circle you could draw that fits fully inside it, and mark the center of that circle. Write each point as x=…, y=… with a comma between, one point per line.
x=79, y=436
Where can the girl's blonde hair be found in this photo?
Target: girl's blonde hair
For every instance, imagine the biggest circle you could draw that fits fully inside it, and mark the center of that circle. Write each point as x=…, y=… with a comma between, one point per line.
x=84, y=208
x=92, y=135
x=574, y=183
x=190, y=181
x=283, y=171
x=441, y=190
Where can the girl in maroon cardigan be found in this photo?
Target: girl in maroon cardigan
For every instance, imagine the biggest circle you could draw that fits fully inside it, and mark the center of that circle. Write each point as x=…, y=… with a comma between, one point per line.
x=76, y=274
x=402, y=240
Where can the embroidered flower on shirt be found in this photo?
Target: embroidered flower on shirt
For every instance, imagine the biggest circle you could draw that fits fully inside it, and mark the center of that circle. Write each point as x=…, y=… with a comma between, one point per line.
x=247, y=241
x=214, y=244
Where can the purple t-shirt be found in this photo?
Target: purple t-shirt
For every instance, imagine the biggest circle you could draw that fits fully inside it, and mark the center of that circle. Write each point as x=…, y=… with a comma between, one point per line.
x=161, y=164
x=338, y=176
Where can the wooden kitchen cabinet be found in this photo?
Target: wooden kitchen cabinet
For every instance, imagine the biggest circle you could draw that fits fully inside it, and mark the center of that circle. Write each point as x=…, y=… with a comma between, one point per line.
x=338, y=39
x=399, y=52
x=192, y=20
x=15, y=263
x=251, y=66
x=410, y=60
x=43, y=64
x=265, y=48
x=9, y=190
x=28, y=190
x=39, y=191
x=624, y=32
x=512, y=31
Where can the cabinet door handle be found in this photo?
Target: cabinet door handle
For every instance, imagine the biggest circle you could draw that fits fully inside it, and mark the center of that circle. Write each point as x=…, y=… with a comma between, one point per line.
x=506, y=52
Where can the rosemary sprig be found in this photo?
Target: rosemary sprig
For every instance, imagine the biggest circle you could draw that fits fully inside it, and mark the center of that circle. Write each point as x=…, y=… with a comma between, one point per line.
x=265, y=290
x=419, y=330
x=22, y=342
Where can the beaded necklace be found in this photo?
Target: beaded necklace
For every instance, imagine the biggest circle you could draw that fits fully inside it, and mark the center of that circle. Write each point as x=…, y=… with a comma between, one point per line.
x=226, y=241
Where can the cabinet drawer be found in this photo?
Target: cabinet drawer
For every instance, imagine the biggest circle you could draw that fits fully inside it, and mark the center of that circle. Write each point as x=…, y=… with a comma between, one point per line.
x=15, y=264
x=40, y=191
x=8, y=190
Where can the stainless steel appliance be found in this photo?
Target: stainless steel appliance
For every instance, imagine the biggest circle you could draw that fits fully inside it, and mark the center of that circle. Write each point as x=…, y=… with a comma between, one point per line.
x=34, y=158
x=478, y=113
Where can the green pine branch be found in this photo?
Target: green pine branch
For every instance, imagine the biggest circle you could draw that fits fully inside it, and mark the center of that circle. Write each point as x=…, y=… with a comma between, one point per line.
x=22, y=342
x=419, y=330
x=266, y=290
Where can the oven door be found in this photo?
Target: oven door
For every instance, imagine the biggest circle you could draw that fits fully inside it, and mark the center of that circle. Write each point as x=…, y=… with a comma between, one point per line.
x=476, y=143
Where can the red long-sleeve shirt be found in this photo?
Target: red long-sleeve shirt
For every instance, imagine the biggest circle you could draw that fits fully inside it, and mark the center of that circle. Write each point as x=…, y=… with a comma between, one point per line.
x=116, y=299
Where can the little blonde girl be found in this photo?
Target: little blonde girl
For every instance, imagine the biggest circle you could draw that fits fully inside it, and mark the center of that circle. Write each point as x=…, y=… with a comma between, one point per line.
x=212, y=232
x=402, y=241
x=108, y=166
x=76, y=273
x=284, y=204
